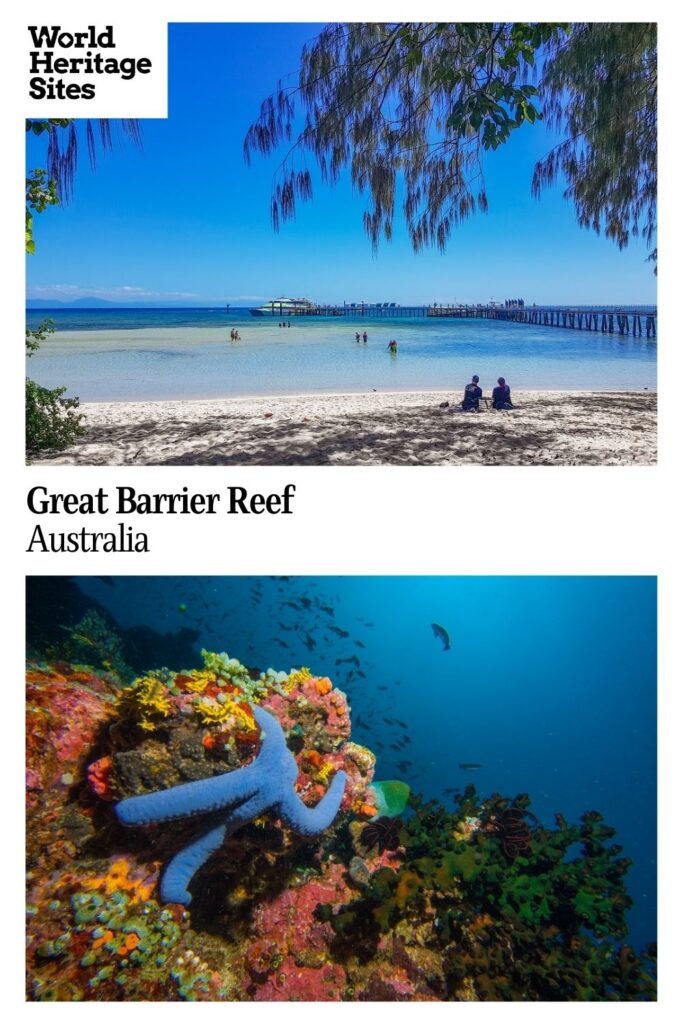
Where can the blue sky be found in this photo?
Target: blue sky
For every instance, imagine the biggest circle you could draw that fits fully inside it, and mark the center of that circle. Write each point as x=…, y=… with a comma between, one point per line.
x=185, y=220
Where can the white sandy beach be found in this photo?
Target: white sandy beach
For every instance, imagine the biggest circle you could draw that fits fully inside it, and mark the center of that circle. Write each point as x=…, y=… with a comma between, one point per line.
x=556, y=428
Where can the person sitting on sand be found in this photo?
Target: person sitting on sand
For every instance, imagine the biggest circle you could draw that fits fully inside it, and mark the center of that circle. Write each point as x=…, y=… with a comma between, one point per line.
x=393, y=347
x=500, y=397
x=473, y=393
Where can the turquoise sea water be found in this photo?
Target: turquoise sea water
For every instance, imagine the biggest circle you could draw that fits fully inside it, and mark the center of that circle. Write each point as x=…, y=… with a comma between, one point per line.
x=147, y=354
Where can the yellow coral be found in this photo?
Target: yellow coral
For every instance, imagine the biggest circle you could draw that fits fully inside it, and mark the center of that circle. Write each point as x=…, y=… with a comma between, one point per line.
x=200, y=680
x=145, y=701
x=215, y=713
x=297, y=678
x=212, y=713
x=323, y=774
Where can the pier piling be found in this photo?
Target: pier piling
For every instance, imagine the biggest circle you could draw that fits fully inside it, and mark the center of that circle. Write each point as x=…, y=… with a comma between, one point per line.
x=604, y=320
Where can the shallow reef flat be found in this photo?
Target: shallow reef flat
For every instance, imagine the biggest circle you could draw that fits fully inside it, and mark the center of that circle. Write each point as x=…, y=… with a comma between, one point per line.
x=557, y=428
x=381, y=900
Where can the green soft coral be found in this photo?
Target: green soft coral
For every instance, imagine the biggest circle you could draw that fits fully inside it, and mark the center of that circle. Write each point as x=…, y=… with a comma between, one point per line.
x=532, y=927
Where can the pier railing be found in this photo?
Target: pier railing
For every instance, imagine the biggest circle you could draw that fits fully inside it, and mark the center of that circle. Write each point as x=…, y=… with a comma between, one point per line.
x=599, y=319
x=635, y=322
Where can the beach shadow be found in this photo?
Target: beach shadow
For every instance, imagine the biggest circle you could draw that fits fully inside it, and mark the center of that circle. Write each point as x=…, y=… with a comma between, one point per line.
x=553, y=430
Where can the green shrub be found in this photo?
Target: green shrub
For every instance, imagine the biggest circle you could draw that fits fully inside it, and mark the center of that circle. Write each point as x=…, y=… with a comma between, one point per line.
x=52, y=422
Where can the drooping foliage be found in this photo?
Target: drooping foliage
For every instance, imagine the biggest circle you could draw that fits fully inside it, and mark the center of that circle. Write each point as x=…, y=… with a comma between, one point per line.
x=600, y=91
x=417, y=100
x=53, y=184
x=419, y=104
x=63, y=145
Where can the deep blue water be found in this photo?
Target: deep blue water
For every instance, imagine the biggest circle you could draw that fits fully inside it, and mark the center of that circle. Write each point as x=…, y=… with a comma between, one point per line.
x=135, y=318
x=551, y=682
x=158, y=354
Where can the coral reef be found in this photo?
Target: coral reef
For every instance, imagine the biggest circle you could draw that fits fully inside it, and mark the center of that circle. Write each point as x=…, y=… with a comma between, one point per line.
x=482, y=902
x=93, y=640
x=56, y=607
x=93, y=883
x=243, y=794
x=510, y=912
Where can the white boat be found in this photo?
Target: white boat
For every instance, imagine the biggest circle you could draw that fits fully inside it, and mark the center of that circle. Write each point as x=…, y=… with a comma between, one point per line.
x=284, y=307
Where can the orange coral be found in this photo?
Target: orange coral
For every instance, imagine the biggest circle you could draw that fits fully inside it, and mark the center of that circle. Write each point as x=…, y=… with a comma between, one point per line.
x=313, y=758
x=323, y=686
x=106, y=937
x=117, y=879
x=131, y=941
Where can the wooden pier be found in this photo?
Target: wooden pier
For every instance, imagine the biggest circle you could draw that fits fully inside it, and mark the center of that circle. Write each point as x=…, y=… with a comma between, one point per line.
x=599, y=319
x=370, y=310
x=635, y=322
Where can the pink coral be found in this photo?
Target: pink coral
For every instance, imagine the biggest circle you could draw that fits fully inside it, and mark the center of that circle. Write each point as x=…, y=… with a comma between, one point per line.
x=289, y=924
x=303, y=984
x=99, y=778
x=64, y=717
x=290, y=917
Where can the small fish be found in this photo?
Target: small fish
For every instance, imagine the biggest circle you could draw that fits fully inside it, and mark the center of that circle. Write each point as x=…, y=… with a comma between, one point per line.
x=441, y=634
x=359, y=643
x=470, y=766
x=340, y=632
x=82, y=638
x=308, y=641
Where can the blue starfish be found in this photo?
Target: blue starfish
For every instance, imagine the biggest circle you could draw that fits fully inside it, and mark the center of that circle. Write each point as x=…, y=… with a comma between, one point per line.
x=242, y=794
